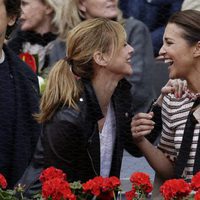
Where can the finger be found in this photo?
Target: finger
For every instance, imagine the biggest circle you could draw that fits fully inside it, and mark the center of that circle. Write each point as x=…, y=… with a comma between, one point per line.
x=140, y=134
x=143, y=116
x=141, y=128
x=179, y=86
x=167, y=89
x=185, y=85
x=142, y=122
x=145, y=122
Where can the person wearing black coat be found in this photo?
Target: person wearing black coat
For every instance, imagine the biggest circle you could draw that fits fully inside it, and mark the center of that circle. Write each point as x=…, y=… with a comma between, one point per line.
x=19, y=100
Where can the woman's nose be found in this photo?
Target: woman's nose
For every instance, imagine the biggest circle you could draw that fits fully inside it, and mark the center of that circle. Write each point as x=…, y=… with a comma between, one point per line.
x=162, y=50
x=131, y=49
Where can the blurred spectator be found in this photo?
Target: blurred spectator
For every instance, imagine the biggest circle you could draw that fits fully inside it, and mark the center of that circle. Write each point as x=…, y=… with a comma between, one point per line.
x=19, y=100
x=154, y=13
x=190, y=5
x=42, y=27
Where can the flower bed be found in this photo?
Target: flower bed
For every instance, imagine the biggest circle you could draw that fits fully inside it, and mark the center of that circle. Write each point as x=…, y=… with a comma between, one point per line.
x=56, y=187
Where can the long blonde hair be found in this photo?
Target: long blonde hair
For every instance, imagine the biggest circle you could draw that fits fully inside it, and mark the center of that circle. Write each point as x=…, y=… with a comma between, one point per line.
x=63, y=88
x=59, y=16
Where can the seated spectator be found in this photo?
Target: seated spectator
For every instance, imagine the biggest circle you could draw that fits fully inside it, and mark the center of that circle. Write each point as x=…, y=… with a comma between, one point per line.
x=190, y=4
x=19, y=100
x=41, y=29
x=154, y=13
x=86, y=122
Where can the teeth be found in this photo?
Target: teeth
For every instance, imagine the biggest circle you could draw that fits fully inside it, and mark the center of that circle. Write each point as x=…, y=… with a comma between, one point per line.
x=168, y=61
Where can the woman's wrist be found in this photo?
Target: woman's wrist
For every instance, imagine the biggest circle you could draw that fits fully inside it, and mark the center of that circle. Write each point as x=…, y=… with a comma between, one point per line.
x=159, y=100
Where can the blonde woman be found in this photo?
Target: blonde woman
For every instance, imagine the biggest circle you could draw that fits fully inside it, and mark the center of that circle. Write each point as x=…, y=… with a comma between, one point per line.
x=42, y=30
x=86, y=108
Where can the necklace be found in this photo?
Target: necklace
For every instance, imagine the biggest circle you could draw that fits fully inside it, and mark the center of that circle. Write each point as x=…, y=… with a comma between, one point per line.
x=2, y=57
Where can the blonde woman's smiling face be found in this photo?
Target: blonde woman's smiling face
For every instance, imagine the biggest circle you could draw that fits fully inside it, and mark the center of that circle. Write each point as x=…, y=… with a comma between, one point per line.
x=120, y=63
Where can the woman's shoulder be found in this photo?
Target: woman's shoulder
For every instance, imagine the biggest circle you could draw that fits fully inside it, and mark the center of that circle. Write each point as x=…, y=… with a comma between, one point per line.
x=67, y=114
x=74, y=115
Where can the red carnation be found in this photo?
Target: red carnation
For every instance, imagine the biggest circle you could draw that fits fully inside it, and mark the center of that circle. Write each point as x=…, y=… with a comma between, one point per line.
x=142, y=181
x=57, y=189
x=51, y=173
x=197, y=195
x=195, y=182
x=131, y=194
x=93, y=186
x=3, y=182
x=29, y=60
x=175, y=188
x=115, y=181
x=102, y=188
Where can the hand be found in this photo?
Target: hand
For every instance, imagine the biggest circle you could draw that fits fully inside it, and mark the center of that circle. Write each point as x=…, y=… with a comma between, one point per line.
x=175, y=86
x=141, y=125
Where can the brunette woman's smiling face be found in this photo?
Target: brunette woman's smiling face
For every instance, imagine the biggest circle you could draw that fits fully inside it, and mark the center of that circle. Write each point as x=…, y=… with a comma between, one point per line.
x=178, y=53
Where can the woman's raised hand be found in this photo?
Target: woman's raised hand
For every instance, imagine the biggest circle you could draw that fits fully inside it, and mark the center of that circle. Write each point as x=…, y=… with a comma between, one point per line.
x=141, y=125
x=174, y=86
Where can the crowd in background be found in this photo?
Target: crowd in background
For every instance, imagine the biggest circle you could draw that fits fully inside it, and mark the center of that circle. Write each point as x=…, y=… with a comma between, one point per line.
x=42, y=36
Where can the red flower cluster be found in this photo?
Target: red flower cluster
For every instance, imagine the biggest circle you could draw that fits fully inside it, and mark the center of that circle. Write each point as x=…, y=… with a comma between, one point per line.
x=141, y=186
x=195, y=185
x=29, y=60
x=51, y=173
x=197, y=195
x=131, y=194
x=195, y=182
x=103, y=188
x=3, y=182
x=175, y=189
x=55, y=186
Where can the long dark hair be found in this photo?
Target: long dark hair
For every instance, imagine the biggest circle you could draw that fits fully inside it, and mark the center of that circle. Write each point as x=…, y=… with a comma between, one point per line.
x=189, y=21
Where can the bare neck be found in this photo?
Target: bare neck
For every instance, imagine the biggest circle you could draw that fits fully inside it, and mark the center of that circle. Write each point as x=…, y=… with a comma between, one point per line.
x=194, y=80
x=104, y=86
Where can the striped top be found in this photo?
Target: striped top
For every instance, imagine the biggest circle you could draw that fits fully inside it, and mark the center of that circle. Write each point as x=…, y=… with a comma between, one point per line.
x=174, y=115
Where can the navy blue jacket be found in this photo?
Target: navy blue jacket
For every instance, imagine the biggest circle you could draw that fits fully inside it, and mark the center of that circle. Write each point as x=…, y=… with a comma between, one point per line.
x=18, y=141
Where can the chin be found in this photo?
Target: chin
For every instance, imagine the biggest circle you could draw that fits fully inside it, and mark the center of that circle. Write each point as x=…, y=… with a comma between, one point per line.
x=24, y=28
x=112, y=16
x=129, y=73
x=174, y=76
